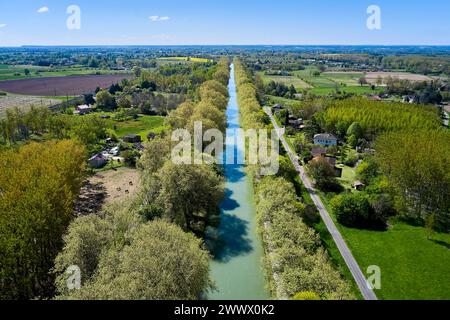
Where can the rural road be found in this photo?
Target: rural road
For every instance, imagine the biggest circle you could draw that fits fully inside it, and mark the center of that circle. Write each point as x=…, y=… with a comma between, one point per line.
x=352, y=265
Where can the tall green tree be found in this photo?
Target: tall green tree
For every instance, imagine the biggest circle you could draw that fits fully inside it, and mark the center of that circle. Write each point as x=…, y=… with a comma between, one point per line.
x=416, y=163
x=189, y=194
x=160, y=262
x=38, y=186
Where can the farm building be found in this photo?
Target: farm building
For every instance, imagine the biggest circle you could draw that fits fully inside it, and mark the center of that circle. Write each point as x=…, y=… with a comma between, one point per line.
x=132, y=138
x=277, y=107
x=296, y=123
x=325, y=139
x=98, y=161
x=83, y=109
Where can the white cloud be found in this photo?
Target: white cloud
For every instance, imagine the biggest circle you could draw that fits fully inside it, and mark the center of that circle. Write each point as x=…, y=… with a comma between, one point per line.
x=43, y=10
x=158, y=18
x=2, y=25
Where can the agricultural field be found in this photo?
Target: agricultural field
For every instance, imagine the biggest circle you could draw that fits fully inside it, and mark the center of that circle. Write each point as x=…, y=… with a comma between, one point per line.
x=324, y=83
x=24, y=102
x=346, y=78
x=17, y=72
x=322, y=91
x=373, y=76
x=61, y=86
x=183, y=59
x=298, y=83
x=308, y=76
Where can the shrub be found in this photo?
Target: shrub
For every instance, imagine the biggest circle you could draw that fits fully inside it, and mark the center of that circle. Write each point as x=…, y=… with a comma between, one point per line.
x=351, y=159
x=367, y=170
x=306, y=296
x=322, y=172
x=130, y=156
x=354, y=210
x=151, y=212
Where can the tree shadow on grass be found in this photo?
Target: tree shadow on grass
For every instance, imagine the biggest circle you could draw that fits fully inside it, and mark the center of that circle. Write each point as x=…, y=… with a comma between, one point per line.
x=441, y=243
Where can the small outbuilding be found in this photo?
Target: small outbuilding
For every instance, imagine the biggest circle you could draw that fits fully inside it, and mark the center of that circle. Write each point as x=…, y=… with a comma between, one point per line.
x=318, y=152
x=278, y=107
x=358, y=185
x=132, y=138
x=83, y=109
x=98, y=161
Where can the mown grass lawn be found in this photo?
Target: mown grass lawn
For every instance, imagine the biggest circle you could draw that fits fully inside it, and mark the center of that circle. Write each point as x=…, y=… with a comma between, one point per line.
x=141, y=126
x=348, y=176
x=413, y=266
x=272, y=100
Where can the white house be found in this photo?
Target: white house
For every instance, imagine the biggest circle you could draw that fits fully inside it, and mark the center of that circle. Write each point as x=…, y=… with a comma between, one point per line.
x=325, y=139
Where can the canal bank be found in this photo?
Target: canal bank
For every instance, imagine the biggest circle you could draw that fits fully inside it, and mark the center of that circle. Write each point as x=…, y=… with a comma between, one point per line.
x=236, y=268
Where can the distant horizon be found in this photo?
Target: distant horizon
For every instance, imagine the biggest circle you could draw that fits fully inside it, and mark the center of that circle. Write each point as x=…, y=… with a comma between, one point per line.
x=222, y=45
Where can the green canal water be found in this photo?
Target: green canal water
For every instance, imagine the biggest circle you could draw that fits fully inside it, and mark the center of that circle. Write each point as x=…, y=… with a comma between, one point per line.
x=236, y=246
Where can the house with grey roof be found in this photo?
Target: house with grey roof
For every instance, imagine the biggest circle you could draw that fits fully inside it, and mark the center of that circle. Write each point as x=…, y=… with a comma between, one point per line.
x=325, y=139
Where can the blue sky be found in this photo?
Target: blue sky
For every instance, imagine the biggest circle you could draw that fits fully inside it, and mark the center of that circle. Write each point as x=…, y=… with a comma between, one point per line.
x=204, y=22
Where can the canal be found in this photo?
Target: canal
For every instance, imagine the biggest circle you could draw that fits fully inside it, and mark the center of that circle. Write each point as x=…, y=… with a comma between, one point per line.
x=236, y=246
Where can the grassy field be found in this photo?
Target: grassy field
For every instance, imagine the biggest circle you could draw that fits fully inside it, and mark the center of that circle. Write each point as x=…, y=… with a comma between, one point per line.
x=9, y=72
x=413, y=266
x=348, y=177
x=283, y=101
x=346, y=78
x=186, y=59
x=298, y=83
x=141, y=126
x=325, y=84
x=328, y=82
x=319, y=81
x=320, y=91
